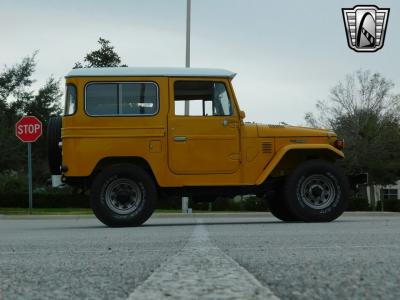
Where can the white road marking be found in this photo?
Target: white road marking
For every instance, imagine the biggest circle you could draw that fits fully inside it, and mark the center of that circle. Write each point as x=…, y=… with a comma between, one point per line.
x=201, y=271
x=335, y=247
x=40, y=251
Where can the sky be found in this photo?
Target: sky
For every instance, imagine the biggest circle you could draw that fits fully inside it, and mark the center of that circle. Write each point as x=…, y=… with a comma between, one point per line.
x=287, y=54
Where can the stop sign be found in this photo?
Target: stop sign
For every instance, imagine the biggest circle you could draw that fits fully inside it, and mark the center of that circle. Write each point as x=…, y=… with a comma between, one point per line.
x=28, y=129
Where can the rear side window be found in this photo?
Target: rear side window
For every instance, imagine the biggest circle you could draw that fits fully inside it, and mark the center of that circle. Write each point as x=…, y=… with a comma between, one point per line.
x=130, y=98
x=70, y=100
x=102, y=99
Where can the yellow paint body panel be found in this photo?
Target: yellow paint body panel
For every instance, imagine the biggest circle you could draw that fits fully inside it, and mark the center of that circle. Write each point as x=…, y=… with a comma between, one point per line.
x=211, y=154
x=285, y=149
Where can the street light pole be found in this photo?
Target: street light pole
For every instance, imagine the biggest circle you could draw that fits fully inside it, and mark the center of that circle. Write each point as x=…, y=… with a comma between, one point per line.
x=187, y=62
x=188, y=11
x=185, y=200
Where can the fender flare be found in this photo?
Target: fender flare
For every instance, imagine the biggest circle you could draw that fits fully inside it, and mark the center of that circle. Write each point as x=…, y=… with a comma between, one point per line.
x=282, y=152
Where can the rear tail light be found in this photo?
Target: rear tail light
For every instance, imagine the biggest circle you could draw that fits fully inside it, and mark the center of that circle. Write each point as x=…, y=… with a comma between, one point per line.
x=339, y=144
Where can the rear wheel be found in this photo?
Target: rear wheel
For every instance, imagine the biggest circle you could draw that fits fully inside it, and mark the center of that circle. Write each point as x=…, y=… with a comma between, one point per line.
x=317, y=191
x=123, y=195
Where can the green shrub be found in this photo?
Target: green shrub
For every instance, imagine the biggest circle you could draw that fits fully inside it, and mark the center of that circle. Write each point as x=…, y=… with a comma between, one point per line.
x=388, y=205
x=168, y=202
x=68, y=197
x=359, y=204
x=11, y=181
x=49, y=198
x=249, y=203
x=254, y=203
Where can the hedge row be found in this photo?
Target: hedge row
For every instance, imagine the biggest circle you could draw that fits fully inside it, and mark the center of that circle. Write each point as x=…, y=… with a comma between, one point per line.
x=389, y=205
x=74, y=200
x=59, y=200
x=361, y=204
x=44, y=200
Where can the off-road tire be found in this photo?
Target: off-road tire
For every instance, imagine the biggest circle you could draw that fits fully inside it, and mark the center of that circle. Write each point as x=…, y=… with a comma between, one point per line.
x=53, y=147
x=278, y=209
x=123, y=181
x=316, y=191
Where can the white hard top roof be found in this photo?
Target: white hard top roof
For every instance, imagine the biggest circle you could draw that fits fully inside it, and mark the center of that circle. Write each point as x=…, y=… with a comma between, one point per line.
x=150, y=71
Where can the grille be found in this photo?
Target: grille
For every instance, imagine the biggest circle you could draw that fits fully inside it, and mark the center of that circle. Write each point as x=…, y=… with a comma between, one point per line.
x=266, y=147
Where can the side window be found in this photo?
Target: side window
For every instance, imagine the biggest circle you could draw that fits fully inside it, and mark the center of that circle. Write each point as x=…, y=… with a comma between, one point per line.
x=389, y=194
x=138, y=99
x=70, y=100
x=131, y=98
x=205, y=98
x=102, y=99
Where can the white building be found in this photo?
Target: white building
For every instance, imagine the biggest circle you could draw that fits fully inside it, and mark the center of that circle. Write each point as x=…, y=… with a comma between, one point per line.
x=383, y=192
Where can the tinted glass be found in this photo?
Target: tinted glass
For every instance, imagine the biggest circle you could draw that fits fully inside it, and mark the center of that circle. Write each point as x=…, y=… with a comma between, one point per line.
x=221, y=103
x=102, y=99
x=70, y=100
x=122, y=99
x=138, y=99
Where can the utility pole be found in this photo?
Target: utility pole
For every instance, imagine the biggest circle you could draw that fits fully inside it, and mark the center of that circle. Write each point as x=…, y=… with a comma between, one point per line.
x=187, y=61
x=185, y=200
x=188, y=11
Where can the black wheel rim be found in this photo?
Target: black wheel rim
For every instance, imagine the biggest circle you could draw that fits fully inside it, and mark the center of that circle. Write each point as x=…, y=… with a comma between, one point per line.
x=123, y=196
x=318, y=191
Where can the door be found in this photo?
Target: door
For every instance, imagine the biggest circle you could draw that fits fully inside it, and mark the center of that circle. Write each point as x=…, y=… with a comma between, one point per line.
x=204, y=139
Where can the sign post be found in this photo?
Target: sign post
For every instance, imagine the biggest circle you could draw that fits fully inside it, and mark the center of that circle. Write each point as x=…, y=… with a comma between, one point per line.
x=28, y=129
x=30, y=176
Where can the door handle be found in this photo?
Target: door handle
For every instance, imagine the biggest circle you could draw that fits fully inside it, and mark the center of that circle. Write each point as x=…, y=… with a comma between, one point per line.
x=180, y=138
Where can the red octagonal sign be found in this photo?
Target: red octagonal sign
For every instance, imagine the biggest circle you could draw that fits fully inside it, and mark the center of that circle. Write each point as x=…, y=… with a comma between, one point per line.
x=28, y=129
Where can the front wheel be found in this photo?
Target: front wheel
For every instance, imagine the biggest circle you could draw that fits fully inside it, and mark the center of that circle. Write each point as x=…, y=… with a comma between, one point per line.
x=278, y=208
x=123, y=195
x=317, y=191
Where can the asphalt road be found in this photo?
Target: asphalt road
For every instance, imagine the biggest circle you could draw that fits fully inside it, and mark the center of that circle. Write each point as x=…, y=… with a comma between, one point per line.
x=201, y=256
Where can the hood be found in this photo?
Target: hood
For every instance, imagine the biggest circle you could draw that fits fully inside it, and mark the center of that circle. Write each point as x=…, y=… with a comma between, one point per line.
x=289, y=131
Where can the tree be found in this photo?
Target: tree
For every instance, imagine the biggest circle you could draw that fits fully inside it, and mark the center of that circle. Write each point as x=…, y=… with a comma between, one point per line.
x=16, y=99
x=103, y=57
x=14, y=82
x=364, y=111
x=46, y=102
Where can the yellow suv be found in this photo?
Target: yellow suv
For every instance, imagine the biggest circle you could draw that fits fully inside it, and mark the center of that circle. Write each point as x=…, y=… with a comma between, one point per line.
x=131, y=134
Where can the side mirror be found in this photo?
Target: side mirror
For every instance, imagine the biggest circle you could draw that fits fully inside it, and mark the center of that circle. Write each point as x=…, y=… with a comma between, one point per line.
x=242, y=115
